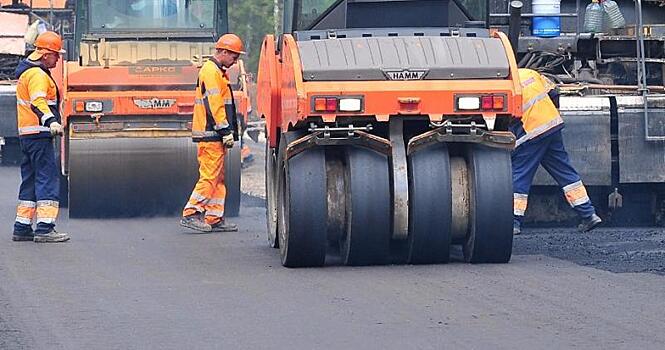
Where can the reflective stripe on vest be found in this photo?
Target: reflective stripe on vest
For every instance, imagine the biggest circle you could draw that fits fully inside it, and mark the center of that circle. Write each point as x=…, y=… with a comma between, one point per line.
x=528, y=82
x=210, y=92
x=539, y=131
x=32, y=130
x=37, y=95
x=46, y=117
x=221, y=126
x=204, y=134
x=533, y=101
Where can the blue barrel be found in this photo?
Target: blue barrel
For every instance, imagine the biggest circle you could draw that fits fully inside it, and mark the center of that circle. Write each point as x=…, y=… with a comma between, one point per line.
x=546, y=26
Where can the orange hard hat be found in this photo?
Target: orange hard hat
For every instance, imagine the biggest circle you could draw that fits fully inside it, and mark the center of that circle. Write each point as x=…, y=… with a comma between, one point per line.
x=230, y=42
x=50, y=41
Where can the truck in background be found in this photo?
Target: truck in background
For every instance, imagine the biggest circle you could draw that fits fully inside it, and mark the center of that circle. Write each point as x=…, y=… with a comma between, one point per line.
x=613, y=104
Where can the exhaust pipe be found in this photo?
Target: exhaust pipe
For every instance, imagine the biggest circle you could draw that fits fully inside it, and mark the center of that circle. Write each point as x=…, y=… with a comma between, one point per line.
x=514, y=24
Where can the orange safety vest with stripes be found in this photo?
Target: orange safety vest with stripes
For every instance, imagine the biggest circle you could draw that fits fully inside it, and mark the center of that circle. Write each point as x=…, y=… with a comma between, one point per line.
x=37, y=100
x=214, y=100
x=540, y=115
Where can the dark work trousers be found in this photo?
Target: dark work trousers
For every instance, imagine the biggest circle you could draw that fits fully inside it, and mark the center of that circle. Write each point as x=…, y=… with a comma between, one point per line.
x=548, y=151
x=39, y=185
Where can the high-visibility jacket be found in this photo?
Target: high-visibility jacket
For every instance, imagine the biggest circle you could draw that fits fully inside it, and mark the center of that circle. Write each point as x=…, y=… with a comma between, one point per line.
x=37, y=100
x=213, y=94
x=540, y=115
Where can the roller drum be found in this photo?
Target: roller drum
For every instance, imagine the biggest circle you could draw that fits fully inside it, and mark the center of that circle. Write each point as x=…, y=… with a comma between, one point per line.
x=130, y=177
x=232, y=164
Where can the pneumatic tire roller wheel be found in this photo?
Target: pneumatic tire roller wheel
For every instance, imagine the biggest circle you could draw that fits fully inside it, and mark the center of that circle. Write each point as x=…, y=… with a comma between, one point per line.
x=430, y=206
x=232, y=172
x=490, y=236
x=367, y=239
x=302, y=206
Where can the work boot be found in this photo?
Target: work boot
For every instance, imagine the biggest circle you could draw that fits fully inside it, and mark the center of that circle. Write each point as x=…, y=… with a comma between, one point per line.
x=589, y=223
x=195, y=223
x=51, y=237
x=23, y=236
x=223, y=226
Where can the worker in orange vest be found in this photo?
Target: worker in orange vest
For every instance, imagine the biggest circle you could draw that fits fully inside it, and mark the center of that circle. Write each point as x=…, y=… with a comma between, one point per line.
x=540, y=142
x=38, y=103
x=213, y=134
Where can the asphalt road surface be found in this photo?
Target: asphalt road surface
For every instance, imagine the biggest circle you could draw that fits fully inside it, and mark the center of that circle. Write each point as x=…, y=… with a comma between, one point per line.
x=148, y=284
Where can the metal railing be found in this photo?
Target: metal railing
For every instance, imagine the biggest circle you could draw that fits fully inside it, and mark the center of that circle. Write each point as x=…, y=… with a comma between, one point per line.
x=642, y=86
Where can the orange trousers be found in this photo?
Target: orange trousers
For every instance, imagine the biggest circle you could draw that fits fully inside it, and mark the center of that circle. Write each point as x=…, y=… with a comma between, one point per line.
x=209, y=193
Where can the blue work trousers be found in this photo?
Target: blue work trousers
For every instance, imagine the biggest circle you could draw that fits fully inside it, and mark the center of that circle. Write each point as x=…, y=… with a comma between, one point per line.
x=39, y=186
x=548, y=151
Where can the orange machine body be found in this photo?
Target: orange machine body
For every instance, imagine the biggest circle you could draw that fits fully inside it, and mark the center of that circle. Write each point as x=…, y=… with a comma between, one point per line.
x=290, y=102
x=135, y=90
x=126, y=88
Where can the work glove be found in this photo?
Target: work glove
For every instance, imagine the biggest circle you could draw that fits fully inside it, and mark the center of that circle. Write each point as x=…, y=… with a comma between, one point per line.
x=56, y=129
x=227, y=140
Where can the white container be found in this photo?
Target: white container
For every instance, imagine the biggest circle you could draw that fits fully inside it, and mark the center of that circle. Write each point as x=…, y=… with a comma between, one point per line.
x=593, y=18
x=614, y=17
x=545, y=25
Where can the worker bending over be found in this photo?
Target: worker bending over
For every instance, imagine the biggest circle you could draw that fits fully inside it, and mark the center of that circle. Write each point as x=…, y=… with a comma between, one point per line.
x=38, y=103
x=540, y=142
x=213, y=134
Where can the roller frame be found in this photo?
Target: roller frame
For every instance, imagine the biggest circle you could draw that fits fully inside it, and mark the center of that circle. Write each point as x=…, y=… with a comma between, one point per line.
x=472, y=134
x=399, y=180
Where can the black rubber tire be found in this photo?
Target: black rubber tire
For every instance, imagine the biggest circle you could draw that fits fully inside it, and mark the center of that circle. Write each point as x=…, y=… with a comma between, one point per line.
x=367, y=239
x=430, y=206
x=232, y=172
x=271, y=194
x=490, y=238
x=302, y=206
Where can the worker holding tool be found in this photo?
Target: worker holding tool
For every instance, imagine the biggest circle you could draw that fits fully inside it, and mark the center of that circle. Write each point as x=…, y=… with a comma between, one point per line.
x=540, y=142
x=38, y=103
x=213, y=130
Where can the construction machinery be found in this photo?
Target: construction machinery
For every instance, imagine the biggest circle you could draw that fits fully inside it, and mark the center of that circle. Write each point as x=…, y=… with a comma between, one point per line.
x=15, y=17
x=128, y=89
x=613, y=104
x=12, y=48
x=387, y=135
